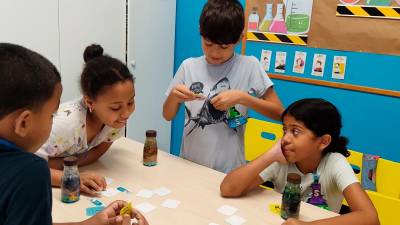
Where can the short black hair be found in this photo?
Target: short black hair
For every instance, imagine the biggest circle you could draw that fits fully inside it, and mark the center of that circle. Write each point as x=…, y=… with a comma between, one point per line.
x=27, y=79
x=101, y=71
x=321, y=117
x=222, y=21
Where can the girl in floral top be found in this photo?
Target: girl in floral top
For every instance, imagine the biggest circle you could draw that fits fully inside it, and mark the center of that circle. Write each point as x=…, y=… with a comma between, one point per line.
x=86, y=127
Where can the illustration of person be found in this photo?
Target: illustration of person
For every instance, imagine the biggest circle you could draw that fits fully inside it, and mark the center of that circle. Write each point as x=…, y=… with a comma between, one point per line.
x=265, y=62
x=281, y=65
x=299, y=63
x=318, y=66
x=336, y=68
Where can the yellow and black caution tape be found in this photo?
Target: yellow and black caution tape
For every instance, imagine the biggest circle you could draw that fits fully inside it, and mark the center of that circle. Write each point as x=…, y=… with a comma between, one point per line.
x=277, y=38
x=388, y=12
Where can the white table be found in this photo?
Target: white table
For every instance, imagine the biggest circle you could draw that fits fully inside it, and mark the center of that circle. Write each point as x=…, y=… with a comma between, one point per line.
x=195, y=186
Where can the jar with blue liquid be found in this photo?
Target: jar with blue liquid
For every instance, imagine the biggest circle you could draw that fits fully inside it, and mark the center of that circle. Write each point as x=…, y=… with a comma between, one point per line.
x=70, y=181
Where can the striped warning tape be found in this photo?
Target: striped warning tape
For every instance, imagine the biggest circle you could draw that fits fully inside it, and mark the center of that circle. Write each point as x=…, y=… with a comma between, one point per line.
x=277, y=38
x=388, y=12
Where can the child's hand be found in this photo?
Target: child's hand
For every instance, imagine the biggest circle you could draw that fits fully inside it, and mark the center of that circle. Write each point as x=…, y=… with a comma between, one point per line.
x=276, y=153
x=292, y=221
x=92, y=183
x=226, y=99
x=183, y=94
x=110, y=216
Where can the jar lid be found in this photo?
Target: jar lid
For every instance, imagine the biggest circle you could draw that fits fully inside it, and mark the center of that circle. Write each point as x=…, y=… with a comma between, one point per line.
x=151, y=133
x=294, y=178
x=70, y=161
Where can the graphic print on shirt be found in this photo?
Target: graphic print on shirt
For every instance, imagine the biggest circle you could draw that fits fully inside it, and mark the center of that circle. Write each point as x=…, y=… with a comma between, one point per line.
x=208, y=114
x=197, y=87
x=316, y=197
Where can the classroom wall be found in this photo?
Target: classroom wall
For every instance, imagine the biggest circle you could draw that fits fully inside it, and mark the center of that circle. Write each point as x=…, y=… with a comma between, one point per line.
x=61, y=29
x=151, y=35
x=370, y=121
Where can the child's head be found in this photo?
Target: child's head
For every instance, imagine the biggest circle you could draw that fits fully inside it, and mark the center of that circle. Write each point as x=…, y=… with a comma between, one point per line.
x=311, y=126
x=221, y=26
x=30, y=91
x=107, y=86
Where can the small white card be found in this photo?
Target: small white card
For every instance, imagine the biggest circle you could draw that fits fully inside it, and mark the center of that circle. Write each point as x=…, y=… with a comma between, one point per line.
x=213, y=224
x=109, y=192
x=162, y=191
x=144, y=193
x=171, y=203
x=145, y=207
x=109, y=180
x=227, y=210
x=235, y=220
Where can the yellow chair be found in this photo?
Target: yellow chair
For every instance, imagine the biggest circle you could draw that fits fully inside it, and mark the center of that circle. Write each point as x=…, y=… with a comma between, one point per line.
x=388, y=178
x=388, y=208
x=355, y=159
x=260, y=136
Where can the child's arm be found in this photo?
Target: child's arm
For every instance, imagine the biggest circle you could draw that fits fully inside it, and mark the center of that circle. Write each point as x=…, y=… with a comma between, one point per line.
x=268, y=105
x=245, y=178
x=362, y=210
x=180, y=93
x=94, y=154
x=90, y=182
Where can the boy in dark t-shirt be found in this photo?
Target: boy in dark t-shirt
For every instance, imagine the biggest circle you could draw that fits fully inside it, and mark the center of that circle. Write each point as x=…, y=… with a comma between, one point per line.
x=30, y=91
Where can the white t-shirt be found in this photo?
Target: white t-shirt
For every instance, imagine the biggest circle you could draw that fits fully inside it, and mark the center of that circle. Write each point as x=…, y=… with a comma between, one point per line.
x=334, y=172
x=207, y=138
x=68, y=135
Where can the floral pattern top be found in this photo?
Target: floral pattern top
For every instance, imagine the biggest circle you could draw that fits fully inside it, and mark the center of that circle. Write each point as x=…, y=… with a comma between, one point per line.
x=68, y=135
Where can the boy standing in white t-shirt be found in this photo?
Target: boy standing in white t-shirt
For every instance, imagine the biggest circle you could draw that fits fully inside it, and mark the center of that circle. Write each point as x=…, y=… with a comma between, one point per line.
x=213, y=84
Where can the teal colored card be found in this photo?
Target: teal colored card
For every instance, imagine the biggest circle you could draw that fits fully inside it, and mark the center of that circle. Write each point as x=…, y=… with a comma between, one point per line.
x=93, y=210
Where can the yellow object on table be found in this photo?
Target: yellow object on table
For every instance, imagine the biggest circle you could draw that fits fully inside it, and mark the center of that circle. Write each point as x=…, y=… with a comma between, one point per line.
x=275, y=209
x=126, y=210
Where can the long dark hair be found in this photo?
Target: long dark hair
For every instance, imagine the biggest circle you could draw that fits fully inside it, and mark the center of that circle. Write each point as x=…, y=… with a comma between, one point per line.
x=321, y=117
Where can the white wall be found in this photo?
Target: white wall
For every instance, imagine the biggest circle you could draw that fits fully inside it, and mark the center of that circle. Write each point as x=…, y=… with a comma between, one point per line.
x=151, y=41
x=83, y=23
x=61, y=29
x=31, y=25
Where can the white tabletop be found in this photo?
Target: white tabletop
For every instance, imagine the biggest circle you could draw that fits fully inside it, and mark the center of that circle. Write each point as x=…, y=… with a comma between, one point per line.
x=195, y=186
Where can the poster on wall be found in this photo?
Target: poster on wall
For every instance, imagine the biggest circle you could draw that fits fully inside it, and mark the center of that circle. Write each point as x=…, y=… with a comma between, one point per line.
x=299, y=62
x=385, y=9
x=265, y=59
x=339, y=67
x=279, y=21
x=280, y=62
x=372, y=35
x=318, y=65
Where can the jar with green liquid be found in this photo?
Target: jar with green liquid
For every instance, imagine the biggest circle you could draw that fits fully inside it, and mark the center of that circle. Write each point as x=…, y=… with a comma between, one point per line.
x=291, y=197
